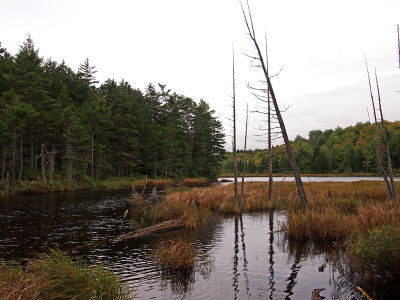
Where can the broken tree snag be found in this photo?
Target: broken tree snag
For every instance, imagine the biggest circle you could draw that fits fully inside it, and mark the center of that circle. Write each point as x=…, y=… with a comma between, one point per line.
x=234, y=128
x=377, y=140
x=296, y=173
x=157, y=228
x=385, y=142
x=244, y=156
x=270, y=178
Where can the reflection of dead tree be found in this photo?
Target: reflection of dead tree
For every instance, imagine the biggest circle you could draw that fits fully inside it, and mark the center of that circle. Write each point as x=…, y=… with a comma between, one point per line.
x=391, y=188
x=262, y=65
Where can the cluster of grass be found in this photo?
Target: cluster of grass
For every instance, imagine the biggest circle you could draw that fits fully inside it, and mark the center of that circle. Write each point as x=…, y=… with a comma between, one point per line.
x=336, y=210
x=195, y=181
x=374, y=258
x=55, y=276
x=175, y=255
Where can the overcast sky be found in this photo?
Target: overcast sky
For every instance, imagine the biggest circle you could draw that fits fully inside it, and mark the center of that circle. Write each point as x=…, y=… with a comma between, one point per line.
x=187, y=45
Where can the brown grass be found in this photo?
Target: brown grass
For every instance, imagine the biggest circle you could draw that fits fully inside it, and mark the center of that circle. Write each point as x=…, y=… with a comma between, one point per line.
x=195, y=181
x=337, y=209
x=176, y=255
x=159, y=183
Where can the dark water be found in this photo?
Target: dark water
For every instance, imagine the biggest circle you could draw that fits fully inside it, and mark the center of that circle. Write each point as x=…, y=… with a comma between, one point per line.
x=237, y=257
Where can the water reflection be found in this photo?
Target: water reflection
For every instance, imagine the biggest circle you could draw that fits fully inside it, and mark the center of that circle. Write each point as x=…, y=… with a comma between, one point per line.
x=235, y=260
x=245, y=263
x=247, y=257
x=271, y=252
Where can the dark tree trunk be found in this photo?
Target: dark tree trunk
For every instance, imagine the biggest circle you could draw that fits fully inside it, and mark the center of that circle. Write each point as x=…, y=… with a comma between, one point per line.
x=13, y=166
x=21, y=160
x=43, y=162
x=92, y=159
x=32, y=156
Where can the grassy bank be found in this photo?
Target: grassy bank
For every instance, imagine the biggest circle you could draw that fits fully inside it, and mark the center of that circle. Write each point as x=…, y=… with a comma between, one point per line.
x=336, y=209
x=61, y=185
x=231, y=175
x=55, y=276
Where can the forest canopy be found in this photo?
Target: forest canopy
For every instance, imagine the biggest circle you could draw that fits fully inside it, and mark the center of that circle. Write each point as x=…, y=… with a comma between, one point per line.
x=61, y=123
x=336, y=151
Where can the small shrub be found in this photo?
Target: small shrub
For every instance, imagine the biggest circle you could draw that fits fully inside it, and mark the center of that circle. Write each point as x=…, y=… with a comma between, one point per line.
x=375, y=261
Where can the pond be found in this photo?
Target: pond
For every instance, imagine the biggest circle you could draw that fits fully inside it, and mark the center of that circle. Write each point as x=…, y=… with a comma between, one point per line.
x=247, y=256
x=226, y=180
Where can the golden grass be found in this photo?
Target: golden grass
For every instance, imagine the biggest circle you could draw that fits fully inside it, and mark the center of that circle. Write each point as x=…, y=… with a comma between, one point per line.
x=336, y=209
x=175, y=254
x=55, y=276
x=195, y=181
x=150, y=183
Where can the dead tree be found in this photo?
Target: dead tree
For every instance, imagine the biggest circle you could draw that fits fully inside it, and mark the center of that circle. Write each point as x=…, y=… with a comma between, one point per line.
x=244, y=155
x=259, y=57
x=385, y=143
x=377, y=141
x=234, y=129
x=398, y=42
x=270, y=178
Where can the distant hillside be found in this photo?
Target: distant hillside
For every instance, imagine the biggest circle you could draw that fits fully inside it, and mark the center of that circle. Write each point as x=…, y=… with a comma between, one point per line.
x=348, y=150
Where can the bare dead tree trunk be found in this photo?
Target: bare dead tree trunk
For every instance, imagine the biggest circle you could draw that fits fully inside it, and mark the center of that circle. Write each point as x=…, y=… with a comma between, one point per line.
x=296, y=173
x=21, y=165
x=234, y=130
x=398, y=42
x=385, y=141
x=43, y=159
x=377, y=140
x=244, y=156
x=270, y=178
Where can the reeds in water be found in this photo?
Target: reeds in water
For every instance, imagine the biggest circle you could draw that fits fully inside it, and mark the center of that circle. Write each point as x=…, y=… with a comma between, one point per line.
x=56, y=276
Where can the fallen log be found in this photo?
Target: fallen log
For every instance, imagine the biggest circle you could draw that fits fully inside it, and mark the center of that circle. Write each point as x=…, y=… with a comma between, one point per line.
x=157, y=228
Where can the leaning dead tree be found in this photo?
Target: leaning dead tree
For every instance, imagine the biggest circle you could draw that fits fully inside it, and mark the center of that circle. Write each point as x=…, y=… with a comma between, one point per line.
x=259, y=57
x=390, y=185
x=244, y=156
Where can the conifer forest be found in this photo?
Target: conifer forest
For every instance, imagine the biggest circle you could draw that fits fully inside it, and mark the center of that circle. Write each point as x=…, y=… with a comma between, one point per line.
x=59, y=123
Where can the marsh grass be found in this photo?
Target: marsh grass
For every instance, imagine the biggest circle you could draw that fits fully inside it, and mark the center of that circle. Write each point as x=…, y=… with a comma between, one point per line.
x=373, y=261
x=176, y=255
x=337, y=209
x=56, y=276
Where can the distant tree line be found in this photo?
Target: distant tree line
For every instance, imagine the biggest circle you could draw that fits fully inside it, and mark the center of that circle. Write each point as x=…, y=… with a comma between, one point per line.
x=55, y=122
x=348, y=150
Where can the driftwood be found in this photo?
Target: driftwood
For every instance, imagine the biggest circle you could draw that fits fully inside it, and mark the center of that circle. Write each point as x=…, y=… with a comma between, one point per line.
x=157, y=228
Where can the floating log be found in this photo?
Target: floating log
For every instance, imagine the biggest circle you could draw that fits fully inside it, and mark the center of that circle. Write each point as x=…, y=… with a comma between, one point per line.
x=157, y=228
